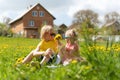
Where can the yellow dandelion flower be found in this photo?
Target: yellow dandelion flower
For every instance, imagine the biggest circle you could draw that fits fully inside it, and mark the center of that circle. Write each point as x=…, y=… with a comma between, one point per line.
x=87, y=67
x=74, y=61
x=58, y=37
x=19, y=60
x=27, y=65
x=116, y=50
x=108, y=49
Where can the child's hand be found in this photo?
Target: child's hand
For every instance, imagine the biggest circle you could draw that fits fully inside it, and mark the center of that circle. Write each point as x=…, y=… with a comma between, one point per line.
x=48, y=53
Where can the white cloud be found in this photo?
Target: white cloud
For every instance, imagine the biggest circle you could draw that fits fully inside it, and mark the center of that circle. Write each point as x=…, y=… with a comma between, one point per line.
x=63, y=10
x=101, y=7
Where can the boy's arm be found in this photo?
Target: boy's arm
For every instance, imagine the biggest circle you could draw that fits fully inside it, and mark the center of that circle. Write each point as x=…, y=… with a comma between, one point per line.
x=38, y=47
x=37, y=50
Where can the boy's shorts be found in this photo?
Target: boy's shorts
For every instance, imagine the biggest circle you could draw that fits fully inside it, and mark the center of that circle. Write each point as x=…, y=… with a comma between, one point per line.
x=51, y=60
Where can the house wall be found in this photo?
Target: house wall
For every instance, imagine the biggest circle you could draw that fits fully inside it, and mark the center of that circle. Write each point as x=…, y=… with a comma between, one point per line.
x=32, y=33
x=113, y=29
x=37, y=19
x=17, y=27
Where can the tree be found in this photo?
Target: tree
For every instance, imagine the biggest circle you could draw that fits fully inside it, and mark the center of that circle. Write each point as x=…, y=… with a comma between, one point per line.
x=4, y=30
x=6, y=20
x=87, y=17
x=112, y=16
x=83, y=15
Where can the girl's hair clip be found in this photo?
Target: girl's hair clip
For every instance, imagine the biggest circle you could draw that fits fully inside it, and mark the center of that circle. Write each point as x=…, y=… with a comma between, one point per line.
x=66, y=37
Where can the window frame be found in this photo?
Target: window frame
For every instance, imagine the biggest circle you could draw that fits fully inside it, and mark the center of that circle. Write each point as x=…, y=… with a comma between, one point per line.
x=41, y=13
x=35, y=13
x=31, y=23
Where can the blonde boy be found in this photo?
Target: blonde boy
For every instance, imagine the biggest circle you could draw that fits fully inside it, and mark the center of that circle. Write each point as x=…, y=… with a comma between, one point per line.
x=46, y=48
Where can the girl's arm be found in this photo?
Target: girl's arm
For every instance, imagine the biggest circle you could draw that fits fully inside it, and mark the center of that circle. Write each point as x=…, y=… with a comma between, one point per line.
x=75, y=48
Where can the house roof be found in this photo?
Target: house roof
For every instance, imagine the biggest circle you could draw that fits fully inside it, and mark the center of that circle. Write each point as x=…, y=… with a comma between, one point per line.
x=24, y=13
x=111, y=23
x=63, y=25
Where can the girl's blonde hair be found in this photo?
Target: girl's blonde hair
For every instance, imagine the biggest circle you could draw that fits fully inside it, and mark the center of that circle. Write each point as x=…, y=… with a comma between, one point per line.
x=44, y=29
x=72, y=34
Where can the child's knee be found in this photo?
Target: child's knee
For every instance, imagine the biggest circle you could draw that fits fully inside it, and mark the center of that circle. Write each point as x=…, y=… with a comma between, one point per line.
x=32, y=51
x=49, y=49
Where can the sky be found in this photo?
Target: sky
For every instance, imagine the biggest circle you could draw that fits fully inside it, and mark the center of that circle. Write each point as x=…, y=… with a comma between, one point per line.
x=62, y=10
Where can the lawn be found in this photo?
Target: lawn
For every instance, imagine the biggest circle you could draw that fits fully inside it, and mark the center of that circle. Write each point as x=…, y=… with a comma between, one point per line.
x=103, y=62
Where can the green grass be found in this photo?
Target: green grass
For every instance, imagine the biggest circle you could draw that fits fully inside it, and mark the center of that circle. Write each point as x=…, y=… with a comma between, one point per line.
x=101, y=64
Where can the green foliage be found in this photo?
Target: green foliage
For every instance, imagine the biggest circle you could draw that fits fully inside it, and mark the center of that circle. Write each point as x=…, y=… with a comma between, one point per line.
x=104, y=60
x=5, y=30
x=88, y=31
x=101, y=63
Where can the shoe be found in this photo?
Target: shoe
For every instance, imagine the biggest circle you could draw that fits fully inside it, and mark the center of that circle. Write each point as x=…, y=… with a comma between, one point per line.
x=52, y=66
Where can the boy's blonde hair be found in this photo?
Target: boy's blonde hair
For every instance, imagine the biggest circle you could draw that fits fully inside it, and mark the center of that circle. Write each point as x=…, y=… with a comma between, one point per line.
x=72, y=34
x=44, y=29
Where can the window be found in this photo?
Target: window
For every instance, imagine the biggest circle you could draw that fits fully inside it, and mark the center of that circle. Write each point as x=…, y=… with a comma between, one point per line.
x=41, y=13
x=31, y=23
x=34, y=13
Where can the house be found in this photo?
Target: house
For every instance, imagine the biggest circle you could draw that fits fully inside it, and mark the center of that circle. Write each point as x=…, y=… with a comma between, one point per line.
x=62, y=28
x=29, y=23
x=112, y=28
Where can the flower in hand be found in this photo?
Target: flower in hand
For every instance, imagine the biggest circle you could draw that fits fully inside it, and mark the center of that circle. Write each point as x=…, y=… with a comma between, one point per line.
x=58, y=37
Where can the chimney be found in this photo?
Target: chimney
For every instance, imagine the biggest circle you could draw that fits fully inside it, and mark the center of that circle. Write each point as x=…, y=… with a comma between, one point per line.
x=29, y=6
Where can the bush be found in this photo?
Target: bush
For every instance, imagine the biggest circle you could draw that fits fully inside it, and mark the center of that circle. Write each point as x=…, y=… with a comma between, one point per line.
x=5, y=30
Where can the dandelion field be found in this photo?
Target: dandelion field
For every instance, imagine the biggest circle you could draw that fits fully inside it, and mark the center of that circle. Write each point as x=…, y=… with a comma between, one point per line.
x=102, y=62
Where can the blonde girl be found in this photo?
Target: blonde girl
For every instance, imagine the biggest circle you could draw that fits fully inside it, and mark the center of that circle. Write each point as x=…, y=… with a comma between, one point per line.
x=71, y=50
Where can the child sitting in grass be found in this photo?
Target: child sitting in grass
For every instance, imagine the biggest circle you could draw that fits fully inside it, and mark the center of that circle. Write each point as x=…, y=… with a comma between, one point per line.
x=46, y=48
x=70, y=52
